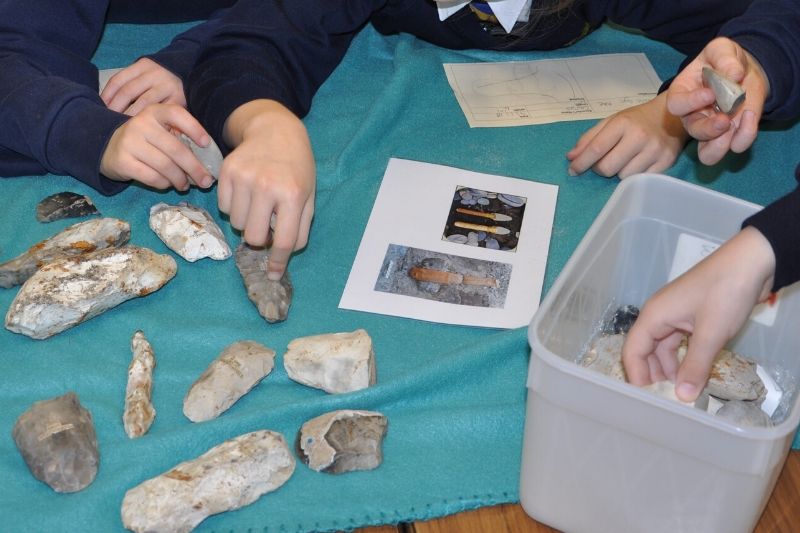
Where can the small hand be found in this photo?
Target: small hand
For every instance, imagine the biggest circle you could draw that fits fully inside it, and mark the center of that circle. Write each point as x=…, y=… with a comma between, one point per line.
x=643, y=138
x=711, y=302
x=271, y=170
x=146, y=150
x=143, y=83
x=690, y=100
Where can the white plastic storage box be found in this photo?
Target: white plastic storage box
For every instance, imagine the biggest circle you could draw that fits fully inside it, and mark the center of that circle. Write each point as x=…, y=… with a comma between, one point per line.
x=600, y=455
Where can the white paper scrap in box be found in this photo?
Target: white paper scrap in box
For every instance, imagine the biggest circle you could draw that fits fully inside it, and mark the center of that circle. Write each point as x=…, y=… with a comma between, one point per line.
x=449, y=245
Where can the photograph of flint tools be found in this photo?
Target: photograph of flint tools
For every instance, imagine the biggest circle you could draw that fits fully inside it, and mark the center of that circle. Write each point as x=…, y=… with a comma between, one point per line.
x=500, y=217
x=449, y=278
x=728, y=93
x=498, y=230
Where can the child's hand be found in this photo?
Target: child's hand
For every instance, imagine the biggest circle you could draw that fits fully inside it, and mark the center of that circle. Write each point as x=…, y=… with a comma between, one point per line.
x=145, y=82
x=146, y=150
x=711, y=302
x=271, y=170
x=643, y=138
x=690, y=100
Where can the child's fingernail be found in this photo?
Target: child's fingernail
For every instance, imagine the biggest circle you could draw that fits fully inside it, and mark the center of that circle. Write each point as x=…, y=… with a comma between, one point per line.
x=274, y=276
x=571, y=172
x=205, y=140
x=206, y=181
x=686, y=391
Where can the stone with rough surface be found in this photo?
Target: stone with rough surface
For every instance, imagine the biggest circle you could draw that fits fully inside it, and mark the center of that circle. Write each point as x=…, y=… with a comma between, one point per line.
x=56, y=438
x=229, y=476
x=732, y=377
x=239, y=368
x=604, y=356
x=342, y=441
x=139, y=411
x=333, y=362
x=272, y=298
x=64, y=205
x=189, y=231
x=70, y=291
x=76, y=240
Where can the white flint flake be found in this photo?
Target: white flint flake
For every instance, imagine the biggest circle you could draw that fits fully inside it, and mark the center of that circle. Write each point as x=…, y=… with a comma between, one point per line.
x=139, y=411
x=69, y=291
x=189, y=231
x=333, y=362
x=238, y=369
x=229, y=476
x=343, y=441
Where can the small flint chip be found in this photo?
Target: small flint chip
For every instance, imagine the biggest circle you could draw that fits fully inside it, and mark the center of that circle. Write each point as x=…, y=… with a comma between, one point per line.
x=64, y=205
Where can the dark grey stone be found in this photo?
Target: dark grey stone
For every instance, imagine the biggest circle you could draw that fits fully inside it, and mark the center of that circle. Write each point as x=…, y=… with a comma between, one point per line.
x=57, y=440
x=272, y=298
x=65, y=205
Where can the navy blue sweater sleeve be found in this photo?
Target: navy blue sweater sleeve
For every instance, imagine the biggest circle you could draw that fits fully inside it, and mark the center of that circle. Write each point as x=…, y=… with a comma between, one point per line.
x=779, y=222
x=280, y=50
x=180, y=55
x=50, y=111
x=770, y=31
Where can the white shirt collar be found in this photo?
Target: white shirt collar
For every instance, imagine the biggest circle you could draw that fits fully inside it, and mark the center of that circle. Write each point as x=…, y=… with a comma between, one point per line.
x=507, y=11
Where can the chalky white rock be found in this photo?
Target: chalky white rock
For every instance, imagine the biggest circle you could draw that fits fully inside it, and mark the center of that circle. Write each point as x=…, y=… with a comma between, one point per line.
x=239, y=368
x=69, y=291
x=229, y=476
x=189, y=231
x=76, y=240
x=333, y=362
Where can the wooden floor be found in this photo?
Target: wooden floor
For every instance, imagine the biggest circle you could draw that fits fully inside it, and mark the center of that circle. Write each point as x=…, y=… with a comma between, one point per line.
x=782, y=514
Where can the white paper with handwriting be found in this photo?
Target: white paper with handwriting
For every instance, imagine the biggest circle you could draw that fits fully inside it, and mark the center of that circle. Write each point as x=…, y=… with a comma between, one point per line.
x=522, y=93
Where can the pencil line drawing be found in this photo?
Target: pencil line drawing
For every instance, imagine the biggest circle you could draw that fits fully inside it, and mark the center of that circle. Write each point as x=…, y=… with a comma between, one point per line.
x=552, y=90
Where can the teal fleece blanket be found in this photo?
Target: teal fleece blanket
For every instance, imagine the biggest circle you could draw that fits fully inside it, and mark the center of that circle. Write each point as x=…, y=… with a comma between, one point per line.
x=454, y=396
